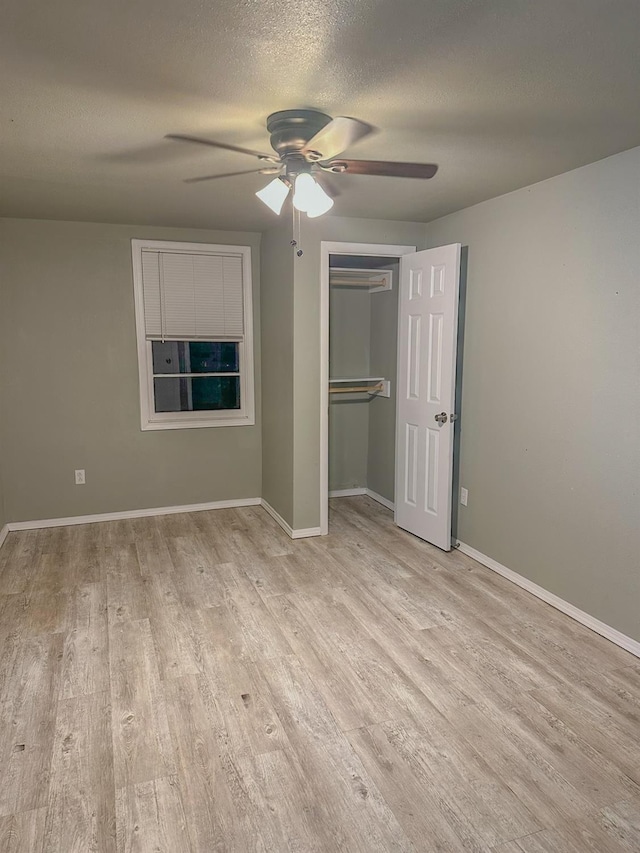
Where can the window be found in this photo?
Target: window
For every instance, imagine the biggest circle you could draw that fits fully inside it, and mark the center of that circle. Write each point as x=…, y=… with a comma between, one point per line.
x=194, y=327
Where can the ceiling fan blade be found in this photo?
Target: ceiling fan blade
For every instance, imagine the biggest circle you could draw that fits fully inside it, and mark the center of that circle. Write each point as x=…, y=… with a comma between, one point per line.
x=336, y=137
x=180, y=137
x=327, y=185
x=382, y=168
x=267, y=171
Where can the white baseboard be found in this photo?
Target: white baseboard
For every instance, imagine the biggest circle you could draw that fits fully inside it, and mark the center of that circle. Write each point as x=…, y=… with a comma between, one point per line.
x=349, y=493
x=300, y=533
x=306, y=532
x=133, y=513
x=540, y=592
x=376, y=497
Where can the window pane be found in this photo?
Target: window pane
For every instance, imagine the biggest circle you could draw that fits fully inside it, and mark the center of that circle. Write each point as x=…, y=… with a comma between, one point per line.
x=211, y=357
x=195, y=357
x=200, y=394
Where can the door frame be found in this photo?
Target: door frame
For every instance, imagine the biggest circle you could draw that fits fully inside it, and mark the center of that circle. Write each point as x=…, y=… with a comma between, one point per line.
x=328, y=248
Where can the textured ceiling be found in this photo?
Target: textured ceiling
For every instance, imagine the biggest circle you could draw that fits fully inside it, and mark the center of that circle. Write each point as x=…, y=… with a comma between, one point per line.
x=499, y=93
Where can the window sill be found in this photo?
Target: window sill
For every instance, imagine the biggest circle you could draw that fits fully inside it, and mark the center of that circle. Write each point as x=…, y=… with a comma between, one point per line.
x=197, y=424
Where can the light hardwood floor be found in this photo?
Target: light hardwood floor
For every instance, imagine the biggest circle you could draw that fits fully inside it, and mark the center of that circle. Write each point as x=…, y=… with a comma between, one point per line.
x=203, y=683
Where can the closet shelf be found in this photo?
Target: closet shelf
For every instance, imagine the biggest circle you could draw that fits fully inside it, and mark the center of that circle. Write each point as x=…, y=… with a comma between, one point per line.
x=373, y=280
x=372, y=385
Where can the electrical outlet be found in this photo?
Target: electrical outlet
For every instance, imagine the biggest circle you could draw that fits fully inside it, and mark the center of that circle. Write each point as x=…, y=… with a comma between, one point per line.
x=80, y=478
x=464, y=496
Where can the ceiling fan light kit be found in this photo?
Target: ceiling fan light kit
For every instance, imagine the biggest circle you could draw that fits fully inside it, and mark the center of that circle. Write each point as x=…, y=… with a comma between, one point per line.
x=309, y=197
x=307, y=141
x=322, y=204
x=303, y=195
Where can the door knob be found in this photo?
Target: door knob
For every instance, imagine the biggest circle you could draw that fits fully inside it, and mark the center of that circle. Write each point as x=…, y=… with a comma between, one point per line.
x=441, y=418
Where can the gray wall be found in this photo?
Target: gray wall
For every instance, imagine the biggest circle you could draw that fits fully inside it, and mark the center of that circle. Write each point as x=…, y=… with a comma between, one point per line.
x=3, y=446
x=349, y=355
x=3, y=513
x=381, y=462
x=70, y=381
x=550, y=442
x=307, y=342
x=277, y=374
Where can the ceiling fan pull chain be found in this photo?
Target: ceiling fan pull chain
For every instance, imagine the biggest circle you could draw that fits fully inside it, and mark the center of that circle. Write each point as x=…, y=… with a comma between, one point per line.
x=299, y=252
x=294, y=229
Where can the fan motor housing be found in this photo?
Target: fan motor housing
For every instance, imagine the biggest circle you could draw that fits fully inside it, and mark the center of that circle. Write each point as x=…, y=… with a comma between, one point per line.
x=291, y=129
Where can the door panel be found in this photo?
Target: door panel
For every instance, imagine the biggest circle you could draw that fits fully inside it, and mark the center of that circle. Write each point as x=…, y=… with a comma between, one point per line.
x=427, y=341
x=411, y=465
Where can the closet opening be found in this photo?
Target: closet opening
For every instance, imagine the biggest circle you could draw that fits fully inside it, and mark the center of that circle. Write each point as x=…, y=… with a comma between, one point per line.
x=360, y=336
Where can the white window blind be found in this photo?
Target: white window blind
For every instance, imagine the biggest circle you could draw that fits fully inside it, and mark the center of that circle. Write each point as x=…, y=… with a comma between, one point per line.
x=189, y=296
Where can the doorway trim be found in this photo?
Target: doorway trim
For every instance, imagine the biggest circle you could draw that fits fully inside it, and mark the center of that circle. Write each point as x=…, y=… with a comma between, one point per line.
x=328, y=248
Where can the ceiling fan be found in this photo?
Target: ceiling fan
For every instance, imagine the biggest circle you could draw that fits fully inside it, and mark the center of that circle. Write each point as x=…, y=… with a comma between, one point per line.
x=306, y=145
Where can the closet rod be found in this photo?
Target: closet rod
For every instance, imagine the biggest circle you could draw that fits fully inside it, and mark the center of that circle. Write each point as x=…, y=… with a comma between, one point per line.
x=350, y=282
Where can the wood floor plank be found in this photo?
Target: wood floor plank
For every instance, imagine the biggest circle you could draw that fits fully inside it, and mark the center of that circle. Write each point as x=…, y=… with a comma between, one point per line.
x=150, y=818
x=21, y=557
x=214, y=537
x=415, y=612
x=265, y=535
x=127, y=590
x=244, y=625
x=334, y=679
x=570, y=837
x=273, y=575
x=217, y=806
x=491, y=811
x=81, y=803
x=531, y=776
x=507, y=847
x=385, y=685
x=141, y=740
x=579, y=763
x=351, y=802
x=23, y=832
x=153, y=553
x=285, y=804
x=612, y=695
x=621, y=821
x=175, y=645
x=247, y=707
x=628, y=678
x=82, y=557
x=195, y=572
x=423, y=812
x=310, y=570
x=38, y=612
x=113, y=534
x=27, y=723
x=593, y=724
x=235, y=692
x=472, y=668
x=174, y=525
x=85, y=662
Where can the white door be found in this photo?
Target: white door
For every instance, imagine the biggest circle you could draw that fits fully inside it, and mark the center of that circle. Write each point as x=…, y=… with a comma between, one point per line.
x=427, y=342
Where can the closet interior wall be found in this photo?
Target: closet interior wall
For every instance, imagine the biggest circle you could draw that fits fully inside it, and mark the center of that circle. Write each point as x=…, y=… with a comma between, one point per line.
x=363, y=342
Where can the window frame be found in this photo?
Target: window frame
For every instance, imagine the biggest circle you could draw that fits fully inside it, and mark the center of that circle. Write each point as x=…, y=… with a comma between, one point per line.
x=149, y=418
